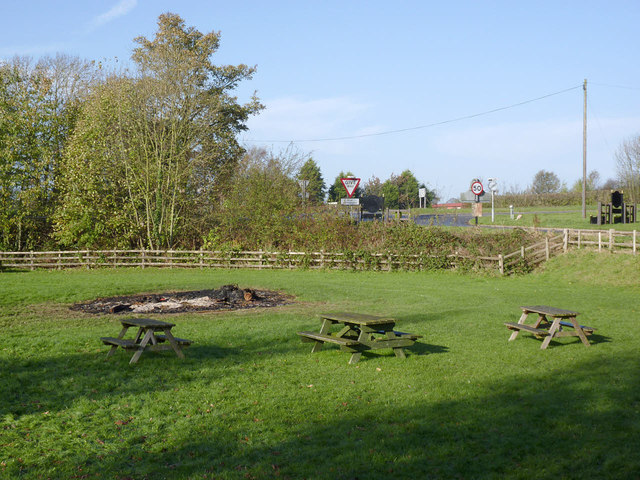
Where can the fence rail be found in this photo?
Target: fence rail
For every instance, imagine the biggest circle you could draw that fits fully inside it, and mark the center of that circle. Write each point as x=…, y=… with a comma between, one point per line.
x=530, y=255
x=236, y=259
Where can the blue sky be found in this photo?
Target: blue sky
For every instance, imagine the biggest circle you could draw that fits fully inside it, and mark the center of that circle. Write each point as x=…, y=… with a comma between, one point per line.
x=334, y=69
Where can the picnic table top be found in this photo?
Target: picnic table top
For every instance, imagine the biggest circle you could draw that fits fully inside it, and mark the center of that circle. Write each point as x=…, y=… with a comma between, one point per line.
x=552, y=311
x=357, y=318
x=146, y=323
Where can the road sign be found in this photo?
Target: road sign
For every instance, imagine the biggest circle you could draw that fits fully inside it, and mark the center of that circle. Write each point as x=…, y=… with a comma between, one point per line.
x=350, y=185
x=303, y=183
x=476, y=188
x=422, y=192
x=350, y=201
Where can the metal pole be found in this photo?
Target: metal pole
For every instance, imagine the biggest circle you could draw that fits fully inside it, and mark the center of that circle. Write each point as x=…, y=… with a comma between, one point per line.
x=584, y=153
x=492, y=213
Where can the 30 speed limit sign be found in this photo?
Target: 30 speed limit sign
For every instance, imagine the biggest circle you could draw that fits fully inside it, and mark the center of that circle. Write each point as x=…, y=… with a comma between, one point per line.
x=476, y=188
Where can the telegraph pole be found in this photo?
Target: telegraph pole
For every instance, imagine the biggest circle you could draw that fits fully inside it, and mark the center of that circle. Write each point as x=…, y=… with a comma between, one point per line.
x=584, y=153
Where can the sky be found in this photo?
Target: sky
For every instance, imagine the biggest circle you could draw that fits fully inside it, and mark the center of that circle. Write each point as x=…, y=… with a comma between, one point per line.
x=451, y=90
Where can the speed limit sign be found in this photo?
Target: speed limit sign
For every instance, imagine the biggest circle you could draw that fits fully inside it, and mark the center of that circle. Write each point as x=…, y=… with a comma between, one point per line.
x=476, y=188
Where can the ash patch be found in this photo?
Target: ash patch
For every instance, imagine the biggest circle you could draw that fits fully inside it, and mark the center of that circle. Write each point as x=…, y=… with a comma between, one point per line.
x=227, y=297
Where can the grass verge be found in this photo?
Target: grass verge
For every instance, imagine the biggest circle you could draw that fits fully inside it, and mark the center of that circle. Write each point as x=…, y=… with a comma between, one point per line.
x=251, y=401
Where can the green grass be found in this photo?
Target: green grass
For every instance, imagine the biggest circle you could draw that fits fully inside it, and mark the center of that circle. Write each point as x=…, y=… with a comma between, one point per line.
x=251, y=401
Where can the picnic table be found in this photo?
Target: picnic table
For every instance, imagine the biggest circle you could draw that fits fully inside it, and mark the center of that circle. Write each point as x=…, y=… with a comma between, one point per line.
x=148, y=337
x=358, y=333
x=550, y=329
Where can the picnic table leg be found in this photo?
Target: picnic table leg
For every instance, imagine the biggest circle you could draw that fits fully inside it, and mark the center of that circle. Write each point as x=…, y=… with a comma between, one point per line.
x=174, y=344
x=399, y=351
x=515, y=333
x=578, y=329
x=541, y=317
x=120, y=336
x=324, y=330
x=355, y=357
x=143, y=344
x=555, y=326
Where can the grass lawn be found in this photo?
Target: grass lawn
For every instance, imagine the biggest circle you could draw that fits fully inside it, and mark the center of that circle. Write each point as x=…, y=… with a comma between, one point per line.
x=251, y=401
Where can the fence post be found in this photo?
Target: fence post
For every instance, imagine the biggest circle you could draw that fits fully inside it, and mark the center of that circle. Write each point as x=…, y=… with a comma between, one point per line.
x=599, y=241
x=31, y=260
x=611, y=231
x=260, y=258
x=579, y=238
x=546, y=248
x=522, y=251
x=201, y=259
x=634, y=242
x=565, y=245
x=142, y=260
x=59, y=261
x=501, y=263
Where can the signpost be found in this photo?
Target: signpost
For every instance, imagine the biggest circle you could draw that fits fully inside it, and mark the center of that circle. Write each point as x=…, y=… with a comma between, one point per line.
x=422, y=195
x=350, y=184
x=303, y=185
x=493, y=186
x=477, y=189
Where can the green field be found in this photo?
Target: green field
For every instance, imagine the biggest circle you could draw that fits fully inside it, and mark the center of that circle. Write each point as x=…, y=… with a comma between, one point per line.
x=251, y=401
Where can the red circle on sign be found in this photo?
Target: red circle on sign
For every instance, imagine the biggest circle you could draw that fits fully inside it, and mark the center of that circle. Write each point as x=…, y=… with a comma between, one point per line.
x=476, y=188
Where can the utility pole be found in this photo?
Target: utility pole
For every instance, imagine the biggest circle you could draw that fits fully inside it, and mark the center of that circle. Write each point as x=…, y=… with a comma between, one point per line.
x=584, y=153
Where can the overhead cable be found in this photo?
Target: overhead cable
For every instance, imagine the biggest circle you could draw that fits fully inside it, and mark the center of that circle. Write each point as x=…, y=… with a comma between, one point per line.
x=419, y=127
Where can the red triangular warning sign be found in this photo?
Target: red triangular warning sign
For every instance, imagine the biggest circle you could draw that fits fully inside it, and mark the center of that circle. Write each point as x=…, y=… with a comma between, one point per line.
x=350, y=185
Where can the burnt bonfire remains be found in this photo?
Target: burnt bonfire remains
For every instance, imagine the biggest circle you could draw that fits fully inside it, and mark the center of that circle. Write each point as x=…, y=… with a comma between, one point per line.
x=227, y=297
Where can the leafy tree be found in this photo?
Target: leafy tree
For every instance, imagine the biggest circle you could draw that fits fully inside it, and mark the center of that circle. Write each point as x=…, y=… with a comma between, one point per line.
x=593, y=182
x=150, y=149
x=337, y=190
x=407, y=190
x=628, y=168
x=316, y=187
x=260, y=201
x=545, y=182
x=39, y=104
x=391, y=193
x=373, y=186
x=401, y=191
x=611, y=184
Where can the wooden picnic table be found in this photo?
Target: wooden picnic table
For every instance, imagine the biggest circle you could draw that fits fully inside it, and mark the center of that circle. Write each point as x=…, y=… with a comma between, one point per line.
x=147, y=338
x=359, y=333
x=550, y=329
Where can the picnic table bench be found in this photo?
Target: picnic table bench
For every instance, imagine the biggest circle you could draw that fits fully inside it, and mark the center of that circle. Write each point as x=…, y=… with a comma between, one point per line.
x=550, y=329
x=146, y=338
x=359, y=333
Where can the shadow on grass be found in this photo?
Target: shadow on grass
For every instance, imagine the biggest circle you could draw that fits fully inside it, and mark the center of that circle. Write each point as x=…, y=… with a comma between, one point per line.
x=52, y=383
x=552, y=425
x=594, y=339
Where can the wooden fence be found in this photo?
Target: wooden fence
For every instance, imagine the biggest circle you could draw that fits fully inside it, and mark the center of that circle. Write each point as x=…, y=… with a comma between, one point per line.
x=531, y=255
x=230, y=259
x=607, y=240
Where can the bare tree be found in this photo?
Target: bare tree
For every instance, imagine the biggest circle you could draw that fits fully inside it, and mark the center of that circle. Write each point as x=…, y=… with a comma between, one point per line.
x=628, y=167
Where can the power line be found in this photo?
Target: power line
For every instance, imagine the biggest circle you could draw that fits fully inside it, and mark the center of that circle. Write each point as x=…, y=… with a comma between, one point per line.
x=419, y=127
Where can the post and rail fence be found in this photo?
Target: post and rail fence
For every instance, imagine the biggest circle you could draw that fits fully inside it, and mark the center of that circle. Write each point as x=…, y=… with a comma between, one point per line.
x=555, y=243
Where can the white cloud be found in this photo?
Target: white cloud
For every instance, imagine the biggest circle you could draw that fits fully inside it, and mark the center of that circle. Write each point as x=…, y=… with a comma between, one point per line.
x=118, y=10
x=304, y=121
